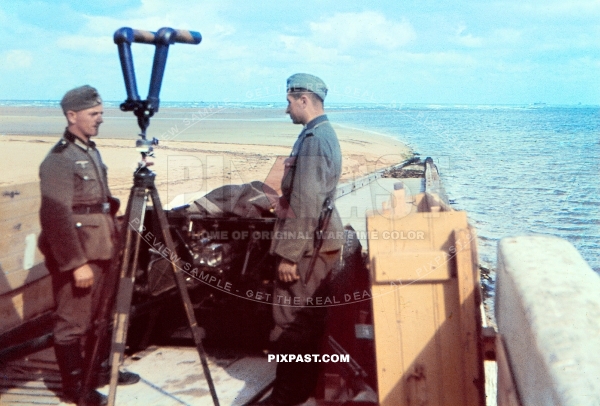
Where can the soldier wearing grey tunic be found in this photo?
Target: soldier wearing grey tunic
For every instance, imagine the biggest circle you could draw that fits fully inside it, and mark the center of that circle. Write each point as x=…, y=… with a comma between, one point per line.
x=312, y=173
x=78, y=235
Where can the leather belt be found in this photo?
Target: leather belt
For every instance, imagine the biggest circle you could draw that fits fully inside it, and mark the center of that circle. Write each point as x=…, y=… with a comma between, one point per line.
x=92, y=208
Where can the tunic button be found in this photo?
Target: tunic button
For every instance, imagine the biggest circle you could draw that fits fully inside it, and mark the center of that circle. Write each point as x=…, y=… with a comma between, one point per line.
x=85, y=177
x=78, y=224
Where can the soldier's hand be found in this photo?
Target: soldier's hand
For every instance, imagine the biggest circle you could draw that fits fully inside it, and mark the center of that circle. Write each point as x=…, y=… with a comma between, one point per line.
x=84, y=276
x=287, y=271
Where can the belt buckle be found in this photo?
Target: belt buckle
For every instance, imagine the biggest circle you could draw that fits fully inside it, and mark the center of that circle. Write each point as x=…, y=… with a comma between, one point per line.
x=105, y=207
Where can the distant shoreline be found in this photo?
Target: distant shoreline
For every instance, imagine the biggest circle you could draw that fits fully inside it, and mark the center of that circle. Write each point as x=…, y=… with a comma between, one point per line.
x=199, y=149
x=258, y=105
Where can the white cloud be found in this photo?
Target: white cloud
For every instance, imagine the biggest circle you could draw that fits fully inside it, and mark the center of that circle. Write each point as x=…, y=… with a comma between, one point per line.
x=351, y=30
x=265, y=42
x=561, y=8
x=84, y=43
x=223, y=30
x=309, y=50
x=17, y=59
x=444, y=59
x=343, y=38
x=153, y=15
x=467, y=40
x=230, y=52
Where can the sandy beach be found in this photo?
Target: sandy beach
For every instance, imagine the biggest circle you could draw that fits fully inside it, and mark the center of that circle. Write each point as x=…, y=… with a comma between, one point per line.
x=199, y=149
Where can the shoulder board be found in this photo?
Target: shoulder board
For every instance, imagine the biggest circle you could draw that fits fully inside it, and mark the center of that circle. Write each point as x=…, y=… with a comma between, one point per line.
x=60, y=146
x=311, y=132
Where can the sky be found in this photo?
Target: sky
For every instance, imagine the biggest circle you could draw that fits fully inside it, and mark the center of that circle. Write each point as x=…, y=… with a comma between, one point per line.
x=387, y=52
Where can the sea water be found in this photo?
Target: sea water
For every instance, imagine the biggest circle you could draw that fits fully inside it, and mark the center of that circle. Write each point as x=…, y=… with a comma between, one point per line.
x=515, y=169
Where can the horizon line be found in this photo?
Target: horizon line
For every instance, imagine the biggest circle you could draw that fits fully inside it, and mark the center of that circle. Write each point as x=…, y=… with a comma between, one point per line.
x=382, y=104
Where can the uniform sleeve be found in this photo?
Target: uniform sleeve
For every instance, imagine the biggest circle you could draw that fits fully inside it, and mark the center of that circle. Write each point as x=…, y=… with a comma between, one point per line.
x=60, y=235
x=294, y=234
x=104, y=173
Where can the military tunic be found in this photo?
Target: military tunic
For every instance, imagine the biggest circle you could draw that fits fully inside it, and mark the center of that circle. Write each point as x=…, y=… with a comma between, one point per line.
x=312, y=178
x=77, y=229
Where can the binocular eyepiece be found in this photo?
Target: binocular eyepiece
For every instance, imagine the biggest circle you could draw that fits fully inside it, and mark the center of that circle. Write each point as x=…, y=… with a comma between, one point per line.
x=144, y=109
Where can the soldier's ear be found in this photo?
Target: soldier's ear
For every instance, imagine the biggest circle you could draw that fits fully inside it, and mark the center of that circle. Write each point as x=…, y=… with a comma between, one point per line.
x=305, y=100
x=71, y=116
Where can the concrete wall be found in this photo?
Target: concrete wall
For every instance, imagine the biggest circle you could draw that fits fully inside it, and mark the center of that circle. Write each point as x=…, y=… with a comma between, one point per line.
x=548, y=313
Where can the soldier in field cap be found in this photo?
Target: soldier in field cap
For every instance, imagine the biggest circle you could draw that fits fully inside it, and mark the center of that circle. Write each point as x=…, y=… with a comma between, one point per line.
x=78, y=236
x=312, y=173
x=308, y=82
x=81, y=98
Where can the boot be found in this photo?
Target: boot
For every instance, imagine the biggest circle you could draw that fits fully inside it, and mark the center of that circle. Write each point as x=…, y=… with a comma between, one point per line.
x=103, y=377
x=287, y=390
x=70, y=364
x=125, y=378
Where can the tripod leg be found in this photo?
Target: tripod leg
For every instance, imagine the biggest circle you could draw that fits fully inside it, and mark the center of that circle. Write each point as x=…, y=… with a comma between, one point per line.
x=183, y=293
x=103, y=316
x=134, y=224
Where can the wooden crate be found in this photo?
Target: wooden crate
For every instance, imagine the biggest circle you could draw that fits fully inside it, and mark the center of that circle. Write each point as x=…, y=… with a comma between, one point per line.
x=426, y=297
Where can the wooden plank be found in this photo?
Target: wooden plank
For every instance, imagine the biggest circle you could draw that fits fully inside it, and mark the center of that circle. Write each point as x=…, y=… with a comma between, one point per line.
x=376, y=225
x=25, y=303
x=36, y=365
x=19, y=200
x=415, y=232
x=31, y=380
x=19, y=192
x=19, y=208
x=30, y=385
x=16, y=260
x=15, y=241
x=46, y=398
x=28, y=223
x=18, y=279
x=19, y=229
x=416, y=352
x=170, y=376
x=470, y=318
x=416, y=266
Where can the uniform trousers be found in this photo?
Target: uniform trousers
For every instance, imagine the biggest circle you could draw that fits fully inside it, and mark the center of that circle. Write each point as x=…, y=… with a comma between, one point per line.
x=299, y=312
x=75, y=306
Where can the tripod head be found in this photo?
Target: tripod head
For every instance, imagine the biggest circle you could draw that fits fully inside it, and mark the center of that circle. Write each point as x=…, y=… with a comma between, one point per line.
x=144, y=109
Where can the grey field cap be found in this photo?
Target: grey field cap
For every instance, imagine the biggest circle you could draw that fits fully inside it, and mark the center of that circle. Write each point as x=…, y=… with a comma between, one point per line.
x=308, y=82
x=80, y=98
